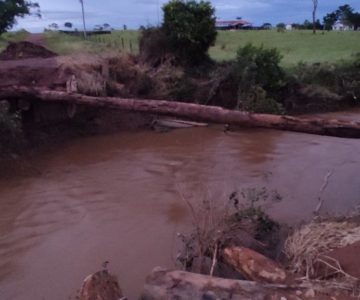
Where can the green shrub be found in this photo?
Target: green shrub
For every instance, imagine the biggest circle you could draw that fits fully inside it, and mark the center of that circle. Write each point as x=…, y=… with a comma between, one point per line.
x=185, y=36
x=340, y=79
x=256, y=100
x=183, y=90
x=281, y=27
x=320, y=74
x=250, y=82
x=190, y=28
x=260, y=66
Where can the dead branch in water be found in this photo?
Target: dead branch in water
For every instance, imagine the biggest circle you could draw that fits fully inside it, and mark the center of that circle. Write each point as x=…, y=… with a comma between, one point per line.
x=335, y=266
x=322, y=189
x=214, y=259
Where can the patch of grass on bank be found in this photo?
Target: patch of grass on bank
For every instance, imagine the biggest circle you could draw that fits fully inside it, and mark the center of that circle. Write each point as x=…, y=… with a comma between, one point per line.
x=16, y=36
x=122, y=41
x=295, y=46
x=125, y=41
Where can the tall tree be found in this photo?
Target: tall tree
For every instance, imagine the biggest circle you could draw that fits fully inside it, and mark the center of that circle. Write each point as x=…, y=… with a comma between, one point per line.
x=11, y=9
x=348, y=17
x=330, y=20
x=344, y=14
x=68, y=25
x=54, y=26
x=315, y=6
x=355, y=20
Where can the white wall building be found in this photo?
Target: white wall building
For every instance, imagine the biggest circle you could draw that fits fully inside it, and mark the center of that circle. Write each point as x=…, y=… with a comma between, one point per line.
x=340, y=26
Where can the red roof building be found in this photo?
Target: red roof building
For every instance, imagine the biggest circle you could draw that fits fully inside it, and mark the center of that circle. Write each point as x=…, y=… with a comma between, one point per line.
x=228, y=25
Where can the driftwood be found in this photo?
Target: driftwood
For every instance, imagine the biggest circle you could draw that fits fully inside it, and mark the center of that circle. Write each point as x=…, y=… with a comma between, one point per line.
x=254, y=266
x=163, y=284
x=196, y=112
x=174, y=123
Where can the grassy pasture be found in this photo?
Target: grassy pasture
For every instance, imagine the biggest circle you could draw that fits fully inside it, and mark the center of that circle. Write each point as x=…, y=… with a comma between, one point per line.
x=122, y=41
x=295, y=46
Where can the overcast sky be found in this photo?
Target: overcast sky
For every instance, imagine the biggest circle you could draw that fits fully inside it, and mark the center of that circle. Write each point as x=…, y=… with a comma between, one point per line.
x=134, y=13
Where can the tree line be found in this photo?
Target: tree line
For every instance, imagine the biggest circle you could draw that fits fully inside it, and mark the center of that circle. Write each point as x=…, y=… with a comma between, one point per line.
x=344, y=14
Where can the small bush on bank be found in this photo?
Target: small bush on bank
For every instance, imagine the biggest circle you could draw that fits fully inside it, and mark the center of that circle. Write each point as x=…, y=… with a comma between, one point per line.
x=239, y=221
x=250, y=81
x=154, y=46
x=324, y=87
x=320, y=74
x=260, y=66
x=183, y=90
x=257, y=101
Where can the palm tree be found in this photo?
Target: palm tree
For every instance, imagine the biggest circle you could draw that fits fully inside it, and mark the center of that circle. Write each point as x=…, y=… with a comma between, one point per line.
x=83, y=15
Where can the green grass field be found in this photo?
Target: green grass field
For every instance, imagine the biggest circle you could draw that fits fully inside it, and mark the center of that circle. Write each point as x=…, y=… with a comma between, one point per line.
x=295, y=46
x=122, y=41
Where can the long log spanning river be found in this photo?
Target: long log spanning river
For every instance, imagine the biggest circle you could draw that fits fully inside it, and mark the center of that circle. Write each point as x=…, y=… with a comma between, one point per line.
x=116, y=198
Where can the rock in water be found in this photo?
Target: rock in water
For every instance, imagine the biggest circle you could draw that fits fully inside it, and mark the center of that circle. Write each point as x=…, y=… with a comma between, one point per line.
x=253, y=265
x=100, y=286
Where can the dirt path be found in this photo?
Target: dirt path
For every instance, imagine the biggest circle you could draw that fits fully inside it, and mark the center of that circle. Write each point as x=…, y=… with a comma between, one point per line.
x=36, y=38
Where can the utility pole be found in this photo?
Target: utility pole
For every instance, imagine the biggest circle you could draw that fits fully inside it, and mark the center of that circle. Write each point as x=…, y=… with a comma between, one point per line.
x=83, y=16
x=157, y=12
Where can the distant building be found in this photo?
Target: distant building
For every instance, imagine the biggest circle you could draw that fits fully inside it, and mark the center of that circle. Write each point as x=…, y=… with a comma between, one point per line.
x=233, y=25
x=342, y=27
x=266, y=26
x=289, y=27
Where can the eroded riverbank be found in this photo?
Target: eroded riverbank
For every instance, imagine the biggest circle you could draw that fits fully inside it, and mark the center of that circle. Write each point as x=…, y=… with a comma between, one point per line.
x=116, y=198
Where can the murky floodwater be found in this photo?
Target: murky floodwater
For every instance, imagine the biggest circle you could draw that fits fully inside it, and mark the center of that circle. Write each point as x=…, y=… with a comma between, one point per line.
x=116, y=198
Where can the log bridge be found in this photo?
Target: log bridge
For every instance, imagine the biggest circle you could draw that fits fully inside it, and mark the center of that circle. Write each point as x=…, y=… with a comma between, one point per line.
x=26, y=97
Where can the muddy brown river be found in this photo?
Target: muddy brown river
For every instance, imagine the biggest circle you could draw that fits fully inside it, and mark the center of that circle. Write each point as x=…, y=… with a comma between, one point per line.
x=116, y=198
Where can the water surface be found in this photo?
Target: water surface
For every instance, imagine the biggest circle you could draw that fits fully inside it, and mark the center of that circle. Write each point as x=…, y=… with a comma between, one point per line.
x=116, y=198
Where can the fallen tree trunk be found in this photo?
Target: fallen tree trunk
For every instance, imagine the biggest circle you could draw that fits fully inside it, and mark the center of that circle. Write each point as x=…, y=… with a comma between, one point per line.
x=163, y=284
x=211, y=114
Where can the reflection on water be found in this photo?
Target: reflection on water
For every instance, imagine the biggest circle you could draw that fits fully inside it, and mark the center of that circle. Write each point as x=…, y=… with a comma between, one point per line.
x=117, y=198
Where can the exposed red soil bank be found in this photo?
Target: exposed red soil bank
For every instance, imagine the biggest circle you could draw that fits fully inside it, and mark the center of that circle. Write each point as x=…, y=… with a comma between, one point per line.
x=25, y=49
